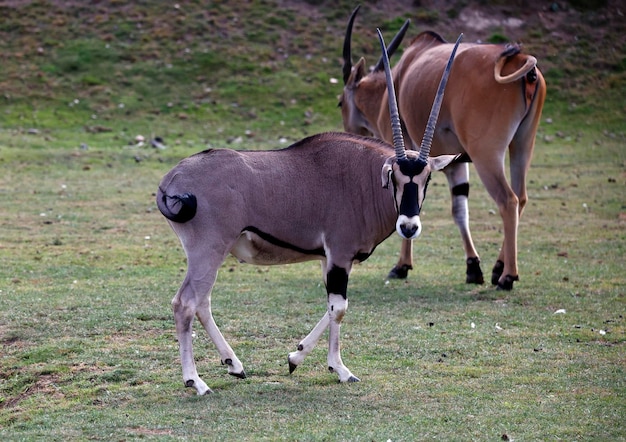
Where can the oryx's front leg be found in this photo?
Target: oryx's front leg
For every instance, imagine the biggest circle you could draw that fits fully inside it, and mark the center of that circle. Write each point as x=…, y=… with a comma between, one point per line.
x=336, y=281
x=458, y=181
x=336, y=287
x=307, y=344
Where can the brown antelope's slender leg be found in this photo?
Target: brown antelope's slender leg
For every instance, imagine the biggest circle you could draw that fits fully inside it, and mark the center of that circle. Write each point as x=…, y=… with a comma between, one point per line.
x=494, y=179
x=405, y=262
x=458, y=181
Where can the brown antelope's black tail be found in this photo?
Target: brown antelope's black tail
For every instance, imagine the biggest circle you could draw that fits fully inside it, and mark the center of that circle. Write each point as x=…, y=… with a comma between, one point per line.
x=177, y=208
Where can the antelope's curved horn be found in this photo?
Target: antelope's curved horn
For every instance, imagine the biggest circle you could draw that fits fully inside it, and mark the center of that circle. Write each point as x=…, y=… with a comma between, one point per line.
x=347, y=52
x=396, y=128
x=429, y=133
x=393, y=46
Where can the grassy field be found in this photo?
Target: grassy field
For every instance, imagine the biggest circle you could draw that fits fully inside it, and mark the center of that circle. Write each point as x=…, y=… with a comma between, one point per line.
x=88, y=265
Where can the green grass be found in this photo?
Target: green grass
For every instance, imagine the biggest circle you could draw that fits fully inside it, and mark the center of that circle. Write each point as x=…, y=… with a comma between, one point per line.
x=88, y=266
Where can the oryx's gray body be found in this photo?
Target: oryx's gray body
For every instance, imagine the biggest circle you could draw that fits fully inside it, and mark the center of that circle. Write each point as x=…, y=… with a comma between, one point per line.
x=332, y=197
x=254, y=214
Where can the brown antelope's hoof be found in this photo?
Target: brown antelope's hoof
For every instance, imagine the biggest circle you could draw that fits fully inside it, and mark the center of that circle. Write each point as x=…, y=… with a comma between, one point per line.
x=507, y=284
x=474, y=272
x=400, y=272
x=241, y=375
x=496, y=272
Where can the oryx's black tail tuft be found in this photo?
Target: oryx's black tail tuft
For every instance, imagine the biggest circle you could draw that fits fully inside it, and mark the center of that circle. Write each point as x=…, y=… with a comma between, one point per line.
x=177, y=208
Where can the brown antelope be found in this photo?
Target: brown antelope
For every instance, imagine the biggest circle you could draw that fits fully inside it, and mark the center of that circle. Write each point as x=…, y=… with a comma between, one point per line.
x=319, y=199
x=493, y=103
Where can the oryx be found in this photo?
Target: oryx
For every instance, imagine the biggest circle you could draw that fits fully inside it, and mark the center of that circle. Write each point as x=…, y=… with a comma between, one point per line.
x=319, y=199
x=493, y=104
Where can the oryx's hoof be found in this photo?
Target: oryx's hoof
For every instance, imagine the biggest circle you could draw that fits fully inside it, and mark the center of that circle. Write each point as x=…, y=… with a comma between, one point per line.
x=400, y=272
x=496, y=272
x=292, y=367
x=474, y=274
x=201, y=387
x=229, y=362
x=507, y=284
x=241, y=375
x=353, y=379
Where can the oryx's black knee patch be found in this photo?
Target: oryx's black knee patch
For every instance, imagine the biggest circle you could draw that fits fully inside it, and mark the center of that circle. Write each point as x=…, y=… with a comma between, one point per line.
x=337, y=281
x=461, y=190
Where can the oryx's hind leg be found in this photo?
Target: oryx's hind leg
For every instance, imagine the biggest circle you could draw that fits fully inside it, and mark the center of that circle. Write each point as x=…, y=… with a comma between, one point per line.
x=185, y=305
x=405, y=262
x=458, y=181
x=194, y=299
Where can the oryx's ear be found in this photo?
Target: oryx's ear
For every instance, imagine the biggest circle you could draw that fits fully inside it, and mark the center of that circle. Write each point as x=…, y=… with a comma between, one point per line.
x=438, y=163
x=358, y=72
x=387, y=171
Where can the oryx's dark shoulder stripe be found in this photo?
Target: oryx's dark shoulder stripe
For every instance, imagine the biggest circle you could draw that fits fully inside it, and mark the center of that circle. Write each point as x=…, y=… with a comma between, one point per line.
x=280, y=243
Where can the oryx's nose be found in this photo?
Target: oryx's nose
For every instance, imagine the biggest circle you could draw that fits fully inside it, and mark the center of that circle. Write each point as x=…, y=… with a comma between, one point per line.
x=408, y=231
x=409, y=228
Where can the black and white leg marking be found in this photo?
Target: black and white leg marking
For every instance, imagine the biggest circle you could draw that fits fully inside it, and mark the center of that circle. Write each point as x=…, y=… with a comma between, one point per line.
x=337, y=304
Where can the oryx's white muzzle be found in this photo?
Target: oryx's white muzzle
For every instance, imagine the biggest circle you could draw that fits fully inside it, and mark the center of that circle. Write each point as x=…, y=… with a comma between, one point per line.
x=409, y=228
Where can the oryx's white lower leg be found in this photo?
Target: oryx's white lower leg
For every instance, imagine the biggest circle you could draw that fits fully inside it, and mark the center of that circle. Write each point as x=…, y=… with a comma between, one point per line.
x=194, y=299
x=185, y=307
x=227, y=355
x=337, y=307
x=307, y=344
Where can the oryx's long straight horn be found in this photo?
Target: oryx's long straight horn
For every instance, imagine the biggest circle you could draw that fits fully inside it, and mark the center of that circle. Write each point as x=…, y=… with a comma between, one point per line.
x=393, y=46
x=347, y=51
x=396, y=128
x=434, y=112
